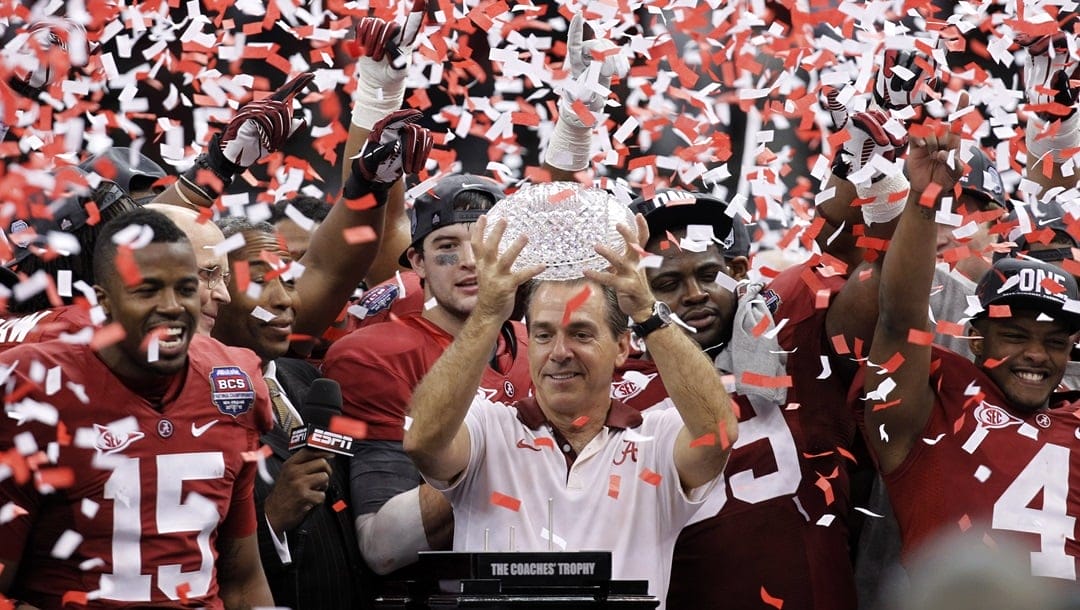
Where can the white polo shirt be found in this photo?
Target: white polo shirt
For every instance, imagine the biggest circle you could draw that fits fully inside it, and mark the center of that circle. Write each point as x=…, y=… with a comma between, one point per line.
x=621, y=494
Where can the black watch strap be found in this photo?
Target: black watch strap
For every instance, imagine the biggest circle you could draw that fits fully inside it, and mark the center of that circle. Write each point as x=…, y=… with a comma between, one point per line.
x=652, y=323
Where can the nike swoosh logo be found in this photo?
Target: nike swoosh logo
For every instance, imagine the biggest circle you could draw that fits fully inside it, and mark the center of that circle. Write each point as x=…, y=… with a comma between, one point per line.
x=523, y=445
x=198, y=431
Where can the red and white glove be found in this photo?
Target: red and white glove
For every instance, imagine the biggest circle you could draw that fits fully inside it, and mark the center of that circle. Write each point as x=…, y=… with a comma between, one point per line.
x=259, y=128
x=385, y=53
x=395, y=147
x=903, y=81
x=593, y=64
x=873, y=134
x=1050, y=70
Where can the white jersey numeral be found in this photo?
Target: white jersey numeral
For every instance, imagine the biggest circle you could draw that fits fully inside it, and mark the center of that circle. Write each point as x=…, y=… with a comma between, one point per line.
x=1047, y=472
x=766, y=424
x=193, y=513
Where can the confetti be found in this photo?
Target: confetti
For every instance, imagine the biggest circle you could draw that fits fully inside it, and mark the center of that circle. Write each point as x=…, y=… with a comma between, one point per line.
x=505, y=501
x=575, y=302
x=650, y=477
x=775, y=602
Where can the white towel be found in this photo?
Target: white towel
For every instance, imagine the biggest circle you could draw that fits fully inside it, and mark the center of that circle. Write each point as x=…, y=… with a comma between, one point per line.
x=747, y=353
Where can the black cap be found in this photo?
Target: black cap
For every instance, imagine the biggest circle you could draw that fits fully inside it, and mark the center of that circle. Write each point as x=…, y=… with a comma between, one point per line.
x=982, y=178
x=675, y=209
x=435, y=208
x=1050, y=215
x=118, y=165
x=1019, y=283
x=68, y=215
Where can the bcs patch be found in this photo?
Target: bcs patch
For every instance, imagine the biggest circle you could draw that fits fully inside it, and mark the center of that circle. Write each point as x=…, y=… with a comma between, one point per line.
x=231, y=390
x=379, y=298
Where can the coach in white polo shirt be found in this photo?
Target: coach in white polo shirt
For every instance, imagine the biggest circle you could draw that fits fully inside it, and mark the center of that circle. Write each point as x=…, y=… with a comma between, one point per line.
x=618, y=480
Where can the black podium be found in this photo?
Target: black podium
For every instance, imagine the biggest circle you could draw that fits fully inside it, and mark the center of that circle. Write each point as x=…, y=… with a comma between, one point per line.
x=490, y=581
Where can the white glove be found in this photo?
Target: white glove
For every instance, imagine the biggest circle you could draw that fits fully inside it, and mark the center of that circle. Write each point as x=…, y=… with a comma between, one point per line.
x=568, y=148
x=386, y=51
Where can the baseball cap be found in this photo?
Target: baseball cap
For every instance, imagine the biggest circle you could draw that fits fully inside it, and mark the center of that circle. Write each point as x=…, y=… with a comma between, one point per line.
x=1049, y=216
x=1020, y=283
x=982, y=178
x=133, y=171
x=435, y=208
x=674, y=209
x=68, y=215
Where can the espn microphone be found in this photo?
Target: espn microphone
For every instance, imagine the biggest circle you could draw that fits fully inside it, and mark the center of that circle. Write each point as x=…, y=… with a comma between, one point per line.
x=322, y=403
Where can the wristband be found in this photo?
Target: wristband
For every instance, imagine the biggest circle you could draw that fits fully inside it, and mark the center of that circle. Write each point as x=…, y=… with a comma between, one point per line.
x=356, y=188
x=372, y=102
x=881, y=209
x=1068, y=136
x=569, y=146
x=214, y=160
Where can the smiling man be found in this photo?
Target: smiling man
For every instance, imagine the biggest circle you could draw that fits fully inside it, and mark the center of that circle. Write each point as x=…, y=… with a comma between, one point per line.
x=145, y=497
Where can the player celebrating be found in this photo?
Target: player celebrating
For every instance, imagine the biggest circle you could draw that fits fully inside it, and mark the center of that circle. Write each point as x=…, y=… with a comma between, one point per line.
x=127, y=481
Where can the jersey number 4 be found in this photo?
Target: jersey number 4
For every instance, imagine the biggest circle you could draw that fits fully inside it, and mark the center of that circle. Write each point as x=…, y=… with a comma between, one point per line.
x=174, y=514
x=1047, y=472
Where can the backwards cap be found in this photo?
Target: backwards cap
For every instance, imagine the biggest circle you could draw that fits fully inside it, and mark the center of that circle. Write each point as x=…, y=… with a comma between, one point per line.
x=982, y=178
x=131, y=170
x=675, y=209
x=1030, y=285
x=435, y=209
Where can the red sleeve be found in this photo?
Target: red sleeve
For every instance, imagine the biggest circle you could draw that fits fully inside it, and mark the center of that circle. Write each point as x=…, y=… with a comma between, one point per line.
x=241, y=519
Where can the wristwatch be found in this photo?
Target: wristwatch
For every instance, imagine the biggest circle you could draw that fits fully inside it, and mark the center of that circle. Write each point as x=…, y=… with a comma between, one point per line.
x=661, y=317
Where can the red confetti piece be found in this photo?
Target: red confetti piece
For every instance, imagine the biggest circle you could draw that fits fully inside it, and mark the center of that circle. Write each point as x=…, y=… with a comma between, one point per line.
x=893, y=363
x=999, y=311
x=705, y=440
x=60, y=477
x=505, y=501
x=360, y=204
x=575, y=302
x=561, y=196
x=761, y=326
x=107, y=335
x=339, y=506
x=583, y=113
x=77, y=598
x=580, y=421
x=242, y=273
x=847, y=454
x=650, y=477
x=920, y=337
x=613, y=486
x=826, y=488
x=1052, y=286
x=263, y=452
x=993, y=362
x=950, y=328
x=775, y=602
x=359, y=235
x=885, y=405
x=821, y=299
x=547, y=441
x=766, y=381
x=965, y=523
x=840, y=345
x=348, y=426
x=182, y=591
x=126, y=266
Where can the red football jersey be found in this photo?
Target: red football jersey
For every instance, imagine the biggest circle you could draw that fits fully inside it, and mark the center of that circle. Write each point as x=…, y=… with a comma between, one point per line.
x=131, y=496
x=44, y=325
x=992, y=471
x=784, y=496
x=379, y=366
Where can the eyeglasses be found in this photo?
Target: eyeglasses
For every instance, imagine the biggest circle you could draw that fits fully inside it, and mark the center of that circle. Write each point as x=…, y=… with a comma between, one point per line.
x=213, y=275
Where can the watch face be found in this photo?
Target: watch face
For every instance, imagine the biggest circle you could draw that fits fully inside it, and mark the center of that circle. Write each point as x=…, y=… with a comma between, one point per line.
x=663, y=312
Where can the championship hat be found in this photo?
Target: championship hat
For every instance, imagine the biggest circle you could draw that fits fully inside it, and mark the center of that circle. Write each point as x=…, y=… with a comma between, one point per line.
x=435, y=209
x=133, y=171
x=982, y=178
x=1029, y=285
x=673, y=209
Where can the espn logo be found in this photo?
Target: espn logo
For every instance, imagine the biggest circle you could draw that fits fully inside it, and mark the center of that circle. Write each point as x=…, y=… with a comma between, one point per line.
x=298, y=438
x=329, y=441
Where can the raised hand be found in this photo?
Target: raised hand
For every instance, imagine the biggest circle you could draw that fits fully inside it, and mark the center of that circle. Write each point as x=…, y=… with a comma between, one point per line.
x=873, y=133
x=36, y=66
x=259, y=128
x=626, y=275
x=1049, y=72
x=903, y=80
x=495, y=276
x=395, y=146
x=934, y=158
x=384, y=49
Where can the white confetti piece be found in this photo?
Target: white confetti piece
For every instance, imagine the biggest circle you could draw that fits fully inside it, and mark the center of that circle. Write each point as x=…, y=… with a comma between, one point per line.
x=982, y=473
x=89, y=508
x=66, y=544
x=884, y=435
x=869, y=513
x=826, y=520
x=261, y=314
x=934, y=441
x=230, y=243
x=826, y=368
